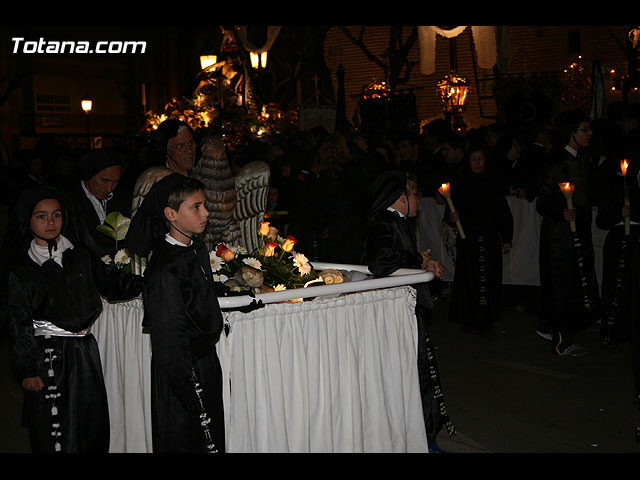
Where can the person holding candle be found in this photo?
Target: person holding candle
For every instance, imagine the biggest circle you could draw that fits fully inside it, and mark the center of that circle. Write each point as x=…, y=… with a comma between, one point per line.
x=482, y=209
x=390, y=244
x=619, y=214
x=569, y=291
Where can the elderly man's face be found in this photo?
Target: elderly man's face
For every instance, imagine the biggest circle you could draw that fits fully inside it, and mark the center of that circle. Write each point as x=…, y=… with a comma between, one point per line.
x=104, y=182
x=181, y=152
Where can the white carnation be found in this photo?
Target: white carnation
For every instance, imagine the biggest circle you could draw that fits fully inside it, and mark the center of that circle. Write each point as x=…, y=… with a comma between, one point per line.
x=252, y=262
x=122, y=256
x=215, y=261
x=300, y=261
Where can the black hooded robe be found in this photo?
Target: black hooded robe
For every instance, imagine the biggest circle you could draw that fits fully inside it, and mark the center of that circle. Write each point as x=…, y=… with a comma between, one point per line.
x=487, y=223
x=389, y=245
x=182, y=311
x=568, y=284
x=67, y=297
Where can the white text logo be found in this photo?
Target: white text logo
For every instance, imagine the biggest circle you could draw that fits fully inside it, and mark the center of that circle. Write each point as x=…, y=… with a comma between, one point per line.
x=71, y=46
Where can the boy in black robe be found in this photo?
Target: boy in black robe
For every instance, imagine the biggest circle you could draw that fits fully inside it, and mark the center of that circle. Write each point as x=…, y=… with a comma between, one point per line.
x=568, y=284
x=54, y=299
x=183, y=314
x=389, y=245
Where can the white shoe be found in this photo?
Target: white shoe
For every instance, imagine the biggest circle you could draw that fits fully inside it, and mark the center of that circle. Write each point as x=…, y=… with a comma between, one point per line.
x=574, y=351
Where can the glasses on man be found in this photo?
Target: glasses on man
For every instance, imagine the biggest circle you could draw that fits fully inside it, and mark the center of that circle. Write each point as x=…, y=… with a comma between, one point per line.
x=184, y=146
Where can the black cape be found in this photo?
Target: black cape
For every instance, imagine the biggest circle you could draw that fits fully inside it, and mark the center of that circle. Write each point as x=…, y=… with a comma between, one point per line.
x=185, y=320
x=568, y=284
x=487, y=223
x=389, y=245
x=68, y=297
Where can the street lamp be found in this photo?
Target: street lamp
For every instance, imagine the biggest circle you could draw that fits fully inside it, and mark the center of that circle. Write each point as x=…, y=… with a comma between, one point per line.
x=454, y=90
x=86, y=103
x=207, y=60
x=258, y=59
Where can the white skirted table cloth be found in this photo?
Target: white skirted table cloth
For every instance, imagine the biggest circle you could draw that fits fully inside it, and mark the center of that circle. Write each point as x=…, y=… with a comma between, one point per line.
x=336, y=374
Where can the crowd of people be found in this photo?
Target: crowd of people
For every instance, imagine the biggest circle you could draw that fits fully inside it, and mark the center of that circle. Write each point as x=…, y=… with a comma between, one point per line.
x=333, y=191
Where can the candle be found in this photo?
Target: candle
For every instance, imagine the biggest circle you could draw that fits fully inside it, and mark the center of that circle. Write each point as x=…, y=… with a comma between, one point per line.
x=567, y=191
x=445, y=191
x=627, y=221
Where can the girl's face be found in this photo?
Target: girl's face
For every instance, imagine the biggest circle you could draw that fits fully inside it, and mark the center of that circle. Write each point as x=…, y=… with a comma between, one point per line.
x=46, y=220
x=477, y=162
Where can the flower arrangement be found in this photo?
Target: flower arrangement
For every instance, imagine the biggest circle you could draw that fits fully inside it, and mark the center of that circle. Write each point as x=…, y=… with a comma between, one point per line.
x=274, y=265
x=116, y=226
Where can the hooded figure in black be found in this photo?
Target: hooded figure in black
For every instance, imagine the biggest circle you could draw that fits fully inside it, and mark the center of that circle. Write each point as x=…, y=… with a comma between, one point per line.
x=88, y=211
x=54, y=298
x=478, y=196
x=185, y=321
x=389, y=245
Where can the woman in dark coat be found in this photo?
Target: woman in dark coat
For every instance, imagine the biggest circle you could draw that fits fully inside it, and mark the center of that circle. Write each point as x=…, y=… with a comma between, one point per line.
x=479, y=200
x=54, y=298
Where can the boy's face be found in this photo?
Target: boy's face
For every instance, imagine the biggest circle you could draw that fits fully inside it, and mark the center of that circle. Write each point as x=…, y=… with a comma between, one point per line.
x=46, y=220
x=581, y=136
x=192, y=215
x=413, y=199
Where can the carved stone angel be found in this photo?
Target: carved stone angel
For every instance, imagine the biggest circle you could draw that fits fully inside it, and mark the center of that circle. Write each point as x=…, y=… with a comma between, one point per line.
x=236, y=204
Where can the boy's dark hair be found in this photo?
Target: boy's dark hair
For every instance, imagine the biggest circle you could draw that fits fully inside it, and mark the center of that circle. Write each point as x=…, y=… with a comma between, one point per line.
x=181, y=191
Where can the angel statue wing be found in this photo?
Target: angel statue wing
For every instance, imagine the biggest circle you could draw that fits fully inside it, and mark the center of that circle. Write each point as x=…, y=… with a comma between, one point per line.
x=214, y=171
x=252, y=188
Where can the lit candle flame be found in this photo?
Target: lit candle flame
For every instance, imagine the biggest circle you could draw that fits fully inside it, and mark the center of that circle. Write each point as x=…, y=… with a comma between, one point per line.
x=623, y=166
x=444, y=189
x=567, y=188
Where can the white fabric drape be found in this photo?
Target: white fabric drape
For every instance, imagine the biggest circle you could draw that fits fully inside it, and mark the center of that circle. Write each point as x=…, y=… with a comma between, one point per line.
x=330, y=375
x=483, y=36
x=272, y=34
x=125, y=352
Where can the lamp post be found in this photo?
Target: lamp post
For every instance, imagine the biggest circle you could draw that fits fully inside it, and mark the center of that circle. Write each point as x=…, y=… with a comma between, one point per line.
x=454, y=90
x=258, y=59
x=86, y=104
x=207, y=60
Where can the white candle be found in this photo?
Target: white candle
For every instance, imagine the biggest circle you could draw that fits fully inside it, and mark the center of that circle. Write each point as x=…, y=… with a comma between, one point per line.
x=627, y=221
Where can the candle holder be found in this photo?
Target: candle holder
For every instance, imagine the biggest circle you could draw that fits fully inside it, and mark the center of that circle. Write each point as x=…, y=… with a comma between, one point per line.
x=445, y=191
x=567, y=191
x=627, y=221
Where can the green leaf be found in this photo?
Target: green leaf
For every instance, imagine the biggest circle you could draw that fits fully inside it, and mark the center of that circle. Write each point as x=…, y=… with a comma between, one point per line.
x=108, y=231
x=119, y=225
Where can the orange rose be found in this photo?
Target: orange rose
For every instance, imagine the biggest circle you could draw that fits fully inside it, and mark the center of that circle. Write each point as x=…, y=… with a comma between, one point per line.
x=225, y=253
x=288, y=244
x=264, y=229
x=270, y=249
x=273, y=233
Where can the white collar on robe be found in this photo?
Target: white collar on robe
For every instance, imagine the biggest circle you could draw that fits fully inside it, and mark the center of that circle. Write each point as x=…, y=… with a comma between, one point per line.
x=40, y=253
x=396, y=211
x=572, y=151
x=169, y=239
x=100, y=206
